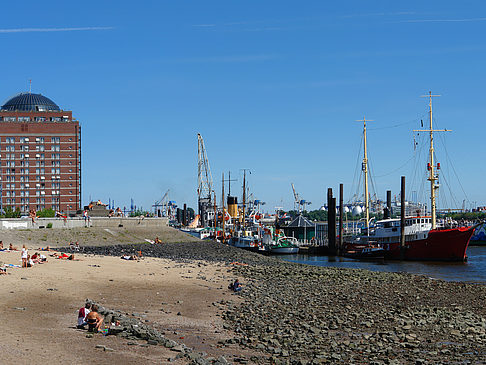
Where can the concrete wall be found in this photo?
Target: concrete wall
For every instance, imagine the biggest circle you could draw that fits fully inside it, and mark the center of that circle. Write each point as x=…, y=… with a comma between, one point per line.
x=19, y=223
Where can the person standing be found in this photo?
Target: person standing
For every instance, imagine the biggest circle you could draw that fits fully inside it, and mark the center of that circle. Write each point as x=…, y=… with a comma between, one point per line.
x=23, y=256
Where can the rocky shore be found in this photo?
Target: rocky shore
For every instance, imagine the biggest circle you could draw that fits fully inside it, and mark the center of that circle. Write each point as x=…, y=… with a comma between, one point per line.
x=300, y=314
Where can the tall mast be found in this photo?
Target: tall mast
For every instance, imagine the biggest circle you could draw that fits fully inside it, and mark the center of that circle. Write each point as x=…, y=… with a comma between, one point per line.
x=364, y=167
x=244, y=197
x=433, y=177
x=222, y=194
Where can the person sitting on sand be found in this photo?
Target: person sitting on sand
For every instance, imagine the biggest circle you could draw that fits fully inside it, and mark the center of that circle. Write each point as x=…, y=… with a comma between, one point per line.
x=94, y=320
x=82, y=314
x=1, y=245
x=30, y=263
x=236, y=286
x=157, y=240
x=12, y=248
x=24, y=256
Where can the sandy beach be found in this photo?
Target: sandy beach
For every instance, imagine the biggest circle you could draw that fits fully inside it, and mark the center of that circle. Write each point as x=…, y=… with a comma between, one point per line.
x=39, y=307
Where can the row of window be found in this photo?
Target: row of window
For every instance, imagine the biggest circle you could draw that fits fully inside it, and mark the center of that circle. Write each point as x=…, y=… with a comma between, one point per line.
x=37, y=200
x=38, y=186
x=38, y=171
x=35, y=119
x=41, y=156
x=26, y=178
x=37, y=164
x=37, y=140
x=39, y=148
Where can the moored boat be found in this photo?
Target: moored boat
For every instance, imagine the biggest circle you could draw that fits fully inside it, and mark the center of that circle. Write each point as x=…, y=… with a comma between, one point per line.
x=423, y=240
x=284, y=245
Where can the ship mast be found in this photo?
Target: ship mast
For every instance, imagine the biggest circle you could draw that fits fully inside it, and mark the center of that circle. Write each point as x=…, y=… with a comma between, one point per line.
x=364, y=168
x=433, y=177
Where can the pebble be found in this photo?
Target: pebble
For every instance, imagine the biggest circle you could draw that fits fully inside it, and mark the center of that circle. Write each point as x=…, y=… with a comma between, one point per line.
x=298, y=314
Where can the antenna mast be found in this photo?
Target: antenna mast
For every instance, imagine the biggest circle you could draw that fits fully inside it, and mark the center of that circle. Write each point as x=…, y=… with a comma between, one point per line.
x=433, y=177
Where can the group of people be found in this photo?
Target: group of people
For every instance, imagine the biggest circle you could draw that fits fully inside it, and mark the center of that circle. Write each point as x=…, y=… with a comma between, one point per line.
x=28, y=260
x=88, y=315
x=10, y=247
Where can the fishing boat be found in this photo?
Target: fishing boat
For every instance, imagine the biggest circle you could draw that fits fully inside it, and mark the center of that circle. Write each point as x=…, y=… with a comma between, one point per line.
x=422, y=238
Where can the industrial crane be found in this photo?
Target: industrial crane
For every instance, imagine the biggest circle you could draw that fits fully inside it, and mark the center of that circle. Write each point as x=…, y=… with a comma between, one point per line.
x=298, y=202
x=204, y=181
x=163, y=204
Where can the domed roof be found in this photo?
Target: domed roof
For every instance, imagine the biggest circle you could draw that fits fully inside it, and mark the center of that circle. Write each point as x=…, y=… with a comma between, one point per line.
x=30, y=102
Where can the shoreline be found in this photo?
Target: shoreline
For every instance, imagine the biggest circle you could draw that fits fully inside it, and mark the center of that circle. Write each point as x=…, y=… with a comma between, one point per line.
x=286, y=313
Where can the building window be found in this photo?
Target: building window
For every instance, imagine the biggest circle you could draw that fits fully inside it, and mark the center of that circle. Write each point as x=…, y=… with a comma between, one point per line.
x=39, y=139
x=40, y=148
x=55, y=148
x=55, y=140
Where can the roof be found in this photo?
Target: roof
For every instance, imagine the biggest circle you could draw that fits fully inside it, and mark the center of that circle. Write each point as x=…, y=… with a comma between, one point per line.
x=30, y=102
x=301, y=221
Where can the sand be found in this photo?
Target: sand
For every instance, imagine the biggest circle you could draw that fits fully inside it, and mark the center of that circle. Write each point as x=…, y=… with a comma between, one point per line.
x=38, y=308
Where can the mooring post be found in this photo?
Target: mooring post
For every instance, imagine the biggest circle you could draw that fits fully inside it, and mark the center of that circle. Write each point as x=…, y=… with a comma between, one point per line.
x=388, y=204
x=341, y=222
x=184, y=215
x=402, y=219
x=331, y=222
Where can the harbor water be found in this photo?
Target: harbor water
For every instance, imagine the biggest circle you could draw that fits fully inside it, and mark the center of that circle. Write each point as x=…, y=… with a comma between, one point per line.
x=474, y=270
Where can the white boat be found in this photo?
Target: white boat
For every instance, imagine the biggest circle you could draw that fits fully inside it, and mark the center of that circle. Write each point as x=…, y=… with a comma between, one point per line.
x=284, y=245
x=249, y=243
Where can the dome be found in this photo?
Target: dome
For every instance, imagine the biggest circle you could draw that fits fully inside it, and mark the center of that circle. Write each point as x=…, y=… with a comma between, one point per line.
x=30, y=102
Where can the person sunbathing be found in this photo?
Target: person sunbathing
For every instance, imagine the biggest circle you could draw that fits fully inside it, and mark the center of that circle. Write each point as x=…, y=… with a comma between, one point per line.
x=94, y=319
x=46, y=249
x=1, y=245
x=3, y=271
x=157, y=240
x=12, y=248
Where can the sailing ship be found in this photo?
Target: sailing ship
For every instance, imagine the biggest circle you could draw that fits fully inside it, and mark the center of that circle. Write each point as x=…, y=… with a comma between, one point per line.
x=424, y=238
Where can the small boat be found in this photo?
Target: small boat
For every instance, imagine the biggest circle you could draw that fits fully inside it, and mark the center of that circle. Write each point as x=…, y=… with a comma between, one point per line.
x=249, y=243
x=366, y=253
x=284, y=245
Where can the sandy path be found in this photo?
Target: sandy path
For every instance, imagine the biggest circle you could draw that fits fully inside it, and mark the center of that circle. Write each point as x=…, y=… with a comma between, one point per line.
x=38, y=308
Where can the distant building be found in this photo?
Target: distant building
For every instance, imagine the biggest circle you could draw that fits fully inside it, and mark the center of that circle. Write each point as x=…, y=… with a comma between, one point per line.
x=40, y=155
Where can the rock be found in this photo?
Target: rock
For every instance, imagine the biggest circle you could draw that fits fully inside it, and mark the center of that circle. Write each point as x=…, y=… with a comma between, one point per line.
x=100, y=347
x=177, y=348
x=152, y=342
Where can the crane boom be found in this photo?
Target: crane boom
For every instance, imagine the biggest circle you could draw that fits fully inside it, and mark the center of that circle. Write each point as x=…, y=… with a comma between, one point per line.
x=205, y=180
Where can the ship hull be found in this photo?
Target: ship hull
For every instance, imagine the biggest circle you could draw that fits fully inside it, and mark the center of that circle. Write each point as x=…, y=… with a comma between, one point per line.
x=440, y=245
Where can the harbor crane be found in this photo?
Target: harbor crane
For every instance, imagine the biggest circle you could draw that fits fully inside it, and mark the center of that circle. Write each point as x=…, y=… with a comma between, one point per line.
x=298, y=202
x=204, y=181
x=162, y=205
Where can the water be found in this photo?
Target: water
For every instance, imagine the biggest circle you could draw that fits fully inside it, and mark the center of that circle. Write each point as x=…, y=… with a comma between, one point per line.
x=474, y=270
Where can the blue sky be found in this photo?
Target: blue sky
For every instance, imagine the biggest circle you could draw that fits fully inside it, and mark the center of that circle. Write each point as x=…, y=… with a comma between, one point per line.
x=273, y=86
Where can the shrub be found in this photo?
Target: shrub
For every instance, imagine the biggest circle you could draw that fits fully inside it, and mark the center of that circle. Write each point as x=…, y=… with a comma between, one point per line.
x=49, y=225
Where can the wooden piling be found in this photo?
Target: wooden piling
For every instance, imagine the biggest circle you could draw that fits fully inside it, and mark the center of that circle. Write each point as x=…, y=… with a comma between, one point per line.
x=402, y=219
x=341, y=221
x=331, y=222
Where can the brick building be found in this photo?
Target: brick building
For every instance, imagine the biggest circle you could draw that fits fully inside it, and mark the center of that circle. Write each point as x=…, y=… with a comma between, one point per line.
x=40, y=155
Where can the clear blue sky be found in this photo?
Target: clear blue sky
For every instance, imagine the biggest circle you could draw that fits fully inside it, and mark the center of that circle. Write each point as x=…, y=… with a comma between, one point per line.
x=273, y=86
